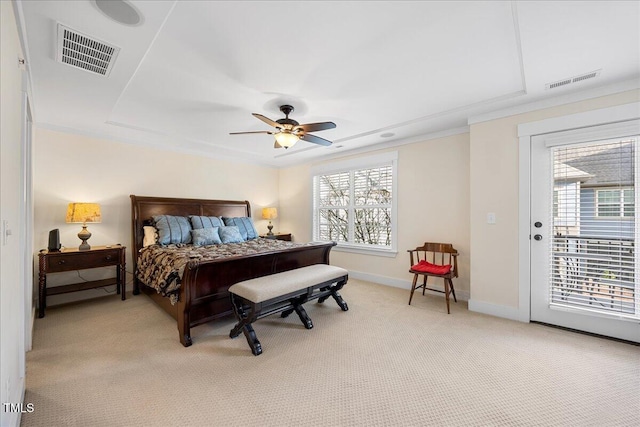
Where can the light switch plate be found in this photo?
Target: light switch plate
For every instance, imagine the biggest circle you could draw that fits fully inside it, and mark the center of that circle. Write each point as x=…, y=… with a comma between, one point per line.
x=6, y=231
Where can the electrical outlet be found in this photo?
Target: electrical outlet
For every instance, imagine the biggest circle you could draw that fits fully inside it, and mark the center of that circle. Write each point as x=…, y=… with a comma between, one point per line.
x=491, y=218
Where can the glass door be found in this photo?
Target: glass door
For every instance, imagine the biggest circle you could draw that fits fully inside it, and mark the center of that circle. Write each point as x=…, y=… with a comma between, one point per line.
x=584, y=232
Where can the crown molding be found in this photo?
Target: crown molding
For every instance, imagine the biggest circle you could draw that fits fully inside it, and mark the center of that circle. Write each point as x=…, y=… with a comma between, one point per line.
x=568, y=98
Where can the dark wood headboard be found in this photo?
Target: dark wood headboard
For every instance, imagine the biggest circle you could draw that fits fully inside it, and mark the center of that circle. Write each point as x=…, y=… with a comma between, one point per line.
x=144, y=207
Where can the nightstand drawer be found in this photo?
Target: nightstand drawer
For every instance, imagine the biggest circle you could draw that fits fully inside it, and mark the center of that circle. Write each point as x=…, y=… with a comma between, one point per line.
x=78, y=261
x=278, y=236
x=74, y=259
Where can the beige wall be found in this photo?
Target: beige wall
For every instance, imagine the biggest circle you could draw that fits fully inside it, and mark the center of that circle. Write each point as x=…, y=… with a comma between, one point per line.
x=296, y=201
x=494, y=188
x=433, y=205
x=12, y=281
x=69, y=167
x=446, y=187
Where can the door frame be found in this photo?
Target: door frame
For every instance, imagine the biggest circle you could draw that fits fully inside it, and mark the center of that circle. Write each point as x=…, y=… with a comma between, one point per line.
x=526, y=131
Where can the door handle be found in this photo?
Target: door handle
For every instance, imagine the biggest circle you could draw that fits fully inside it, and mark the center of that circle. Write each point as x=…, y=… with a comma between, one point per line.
x=538, y=237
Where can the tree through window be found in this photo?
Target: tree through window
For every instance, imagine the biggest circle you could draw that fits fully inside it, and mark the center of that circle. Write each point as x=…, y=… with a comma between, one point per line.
x=355, y=207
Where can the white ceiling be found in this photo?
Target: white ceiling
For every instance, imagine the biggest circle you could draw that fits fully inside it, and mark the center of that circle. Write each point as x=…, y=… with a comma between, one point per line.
x=193, y=71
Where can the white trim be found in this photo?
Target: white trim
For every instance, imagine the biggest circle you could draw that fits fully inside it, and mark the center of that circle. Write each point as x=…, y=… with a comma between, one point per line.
x=602, y=116
x=382, y=159
x=22, y=31
x=524, y=221
x=516, y=30
x=512, y=313
x=17, y=416
x=402, y=284
x=347, y=165
x=335, y=152
x=436, y=115
x=619, y=205
x=159, y=145
x=26, y=212
x=636, y=236
x=526, y=131
x=568, y=98
x=357, y=249
x=612, y=131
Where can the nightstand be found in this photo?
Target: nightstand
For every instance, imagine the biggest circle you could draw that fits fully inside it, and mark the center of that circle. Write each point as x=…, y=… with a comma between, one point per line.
x=74, y=259
x=278, y=236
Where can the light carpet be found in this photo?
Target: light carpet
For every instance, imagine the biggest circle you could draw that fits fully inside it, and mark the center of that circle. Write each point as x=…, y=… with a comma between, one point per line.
x=106, y=362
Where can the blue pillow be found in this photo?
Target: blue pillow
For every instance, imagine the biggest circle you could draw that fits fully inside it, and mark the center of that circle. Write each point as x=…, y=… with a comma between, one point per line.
x=245, y=225
x=205, y=236
x=205, y=221
x=172, y=229
x=230, y=234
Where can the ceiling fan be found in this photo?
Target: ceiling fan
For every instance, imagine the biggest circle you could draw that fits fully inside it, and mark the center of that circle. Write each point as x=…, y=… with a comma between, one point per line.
x=289, y=131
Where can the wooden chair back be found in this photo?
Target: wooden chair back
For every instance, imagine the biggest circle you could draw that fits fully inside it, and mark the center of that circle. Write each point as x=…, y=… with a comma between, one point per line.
x=436, y=253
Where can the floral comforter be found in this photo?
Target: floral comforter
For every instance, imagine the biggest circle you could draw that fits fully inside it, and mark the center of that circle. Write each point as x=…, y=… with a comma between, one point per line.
x=162, y=267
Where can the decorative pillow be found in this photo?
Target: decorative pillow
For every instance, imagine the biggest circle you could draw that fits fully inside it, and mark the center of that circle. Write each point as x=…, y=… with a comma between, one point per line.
x=230, y=234
x=427, y=267
x=172, y=229
x=150, y=236
x=205, y=221
x=205, y=236
x=245, y=225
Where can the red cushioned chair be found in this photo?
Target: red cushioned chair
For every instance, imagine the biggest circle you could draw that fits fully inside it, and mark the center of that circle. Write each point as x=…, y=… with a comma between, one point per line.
x=434, y=260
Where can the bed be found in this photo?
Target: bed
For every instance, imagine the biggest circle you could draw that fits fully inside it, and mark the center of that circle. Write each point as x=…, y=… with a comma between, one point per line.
x=203, y=292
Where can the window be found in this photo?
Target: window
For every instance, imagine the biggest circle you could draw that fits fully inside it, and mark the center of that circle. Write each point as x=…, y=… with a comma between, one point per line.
x=615, y=202
x=354, y=204
x=594, y=262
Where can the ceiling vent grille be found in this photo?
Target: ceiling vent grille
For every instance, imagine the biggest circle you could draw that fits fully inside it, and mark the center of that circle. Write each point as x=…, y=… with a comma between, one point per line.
x=575, y=79
x=81, y=51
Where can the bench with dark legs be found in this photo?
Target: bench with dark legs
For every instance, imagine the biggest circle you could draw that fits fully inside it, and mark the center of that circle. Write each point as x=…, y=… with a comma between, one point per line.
x=284, y=293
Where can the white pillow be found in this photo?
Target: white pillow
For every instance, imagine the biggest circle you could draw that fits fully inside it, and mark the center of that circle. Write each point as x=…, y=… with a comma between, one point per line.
x=150, y=236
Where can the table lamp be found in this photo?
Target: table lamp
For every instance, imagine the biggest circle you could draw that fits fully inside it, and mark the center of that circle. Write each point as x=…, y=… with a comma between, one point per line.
x=82, y=213
x=269, y=213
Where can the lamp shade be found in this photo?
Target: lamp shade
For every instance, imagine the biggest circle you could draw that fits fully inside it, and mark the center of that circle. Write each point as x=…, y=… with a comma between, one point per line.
x=83, y=213
x=269, y=213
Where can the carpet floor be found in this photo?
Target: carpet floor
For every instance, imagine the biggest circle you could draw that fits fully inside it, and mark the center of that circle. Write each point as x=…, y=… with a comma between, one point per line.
x=105, y=362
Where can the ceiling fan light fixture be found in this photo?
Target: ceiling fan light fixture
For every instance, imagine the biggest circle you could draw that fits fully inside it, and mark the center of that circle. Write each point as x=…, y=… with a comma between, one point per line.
x=290, y=131
x=286, y=139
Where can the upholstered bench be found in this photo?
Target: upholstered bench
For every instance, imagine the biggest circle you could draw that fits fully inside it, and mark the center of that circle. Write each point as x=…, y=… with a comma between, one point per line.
x=284, y=293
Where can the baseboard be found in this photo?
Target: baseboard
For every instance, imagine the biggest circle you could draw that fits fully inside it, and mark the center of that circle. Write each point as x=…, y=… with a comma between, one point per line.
x=13, y=416
x=402, y=284
x=32, y=325
x=512, y=313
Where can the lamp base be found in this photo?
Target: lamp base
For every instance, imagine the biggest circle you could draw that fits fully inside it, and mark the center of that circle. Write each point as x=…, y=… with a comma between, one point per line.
x=270, y=227
x=84, y=235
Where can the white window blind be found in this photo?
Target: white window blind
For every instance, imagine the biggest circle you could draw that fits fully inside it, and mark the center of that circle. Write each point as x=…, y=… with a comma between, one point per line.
x=333, y=200
x=594, y=264
x=355, y=207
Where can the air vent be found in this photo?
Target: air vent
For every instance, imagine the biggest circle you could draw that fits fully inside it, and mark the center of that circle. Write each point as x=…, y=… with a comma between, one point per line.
x=575, y=79
x=82, y=51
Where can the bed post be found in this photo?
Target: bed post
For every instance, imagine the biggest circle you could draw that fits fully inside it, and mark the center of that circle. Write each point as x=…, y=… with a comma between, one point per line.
x=184, y=303
x=134, y=244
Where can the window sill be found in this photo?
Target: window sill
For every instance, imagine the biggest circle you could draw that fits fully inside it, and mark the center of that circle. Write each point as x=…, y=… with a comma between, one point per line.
x=343, y=247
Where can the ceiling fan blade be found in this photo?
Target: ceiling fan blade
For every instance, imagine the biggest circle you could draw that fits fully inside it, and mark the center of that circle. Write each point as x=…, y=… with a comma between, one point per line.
x=314, y=127
x=255, y=131
x=315, y=139
x=267, y=120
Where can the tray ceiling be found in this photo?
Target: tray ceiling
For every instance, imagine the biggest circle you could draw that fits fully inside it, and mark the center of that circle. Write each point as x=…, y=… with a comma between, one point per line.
x=190, y=72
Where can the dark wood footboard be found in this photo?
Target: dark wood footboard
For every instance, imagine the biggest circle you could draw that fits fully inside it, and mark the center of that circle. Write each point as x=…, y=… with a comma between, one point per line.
x=204, y=294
